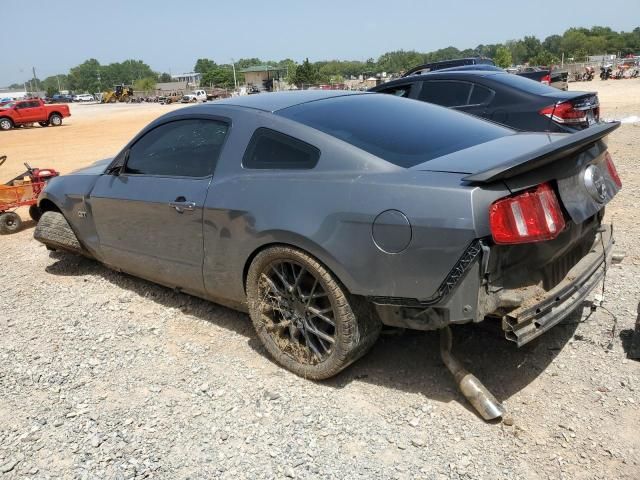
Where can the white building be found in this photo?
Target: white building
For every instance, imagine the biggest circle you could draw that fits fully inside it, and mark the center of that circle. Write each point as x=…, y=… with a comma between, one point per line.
x=191, y=78
x=13, y=94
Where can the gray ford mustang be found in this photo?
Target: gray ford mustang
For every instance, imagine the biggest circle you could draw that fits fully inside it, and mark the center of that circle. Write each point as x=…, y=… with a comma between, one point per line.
x=329, y=214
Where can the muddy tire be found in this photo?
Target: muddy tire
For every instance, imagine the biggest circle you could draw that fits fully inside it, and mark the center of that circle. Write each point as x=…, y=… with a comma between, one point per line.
x=308, y=322
x=54, y=231
x=10, y=222
x=55, y=120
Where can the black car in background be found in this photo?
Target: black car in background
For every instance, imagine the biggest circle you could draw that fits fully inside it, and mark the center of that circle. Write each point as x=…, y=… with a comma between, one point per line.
x=454, y=63
x=548, y=76
x=504, y=98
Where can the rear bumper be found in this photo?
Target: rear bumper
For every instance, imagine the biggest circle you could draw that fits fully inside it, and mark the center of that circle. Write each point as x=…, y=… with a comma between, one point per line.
x=539, y=314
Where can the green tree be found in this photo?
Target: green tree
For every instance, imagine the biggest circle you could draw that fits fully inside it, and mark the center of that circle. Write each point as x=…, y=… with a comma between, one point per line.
x=306, y=74
x=146, y=85
x=574, y=42
x=531, y=46
x=220, y=76
x=203, y=65
x=553, y=44
x=518, y=51
x=85, y=77
x=502, y=57
x=545, y=58
x=164, y=77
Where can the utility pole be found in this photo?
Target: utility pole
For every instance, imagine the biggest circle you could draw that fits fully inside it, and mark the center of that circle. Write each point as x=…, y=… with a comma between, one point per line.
x=233, y=65
x=58, y=78
x=35, y=83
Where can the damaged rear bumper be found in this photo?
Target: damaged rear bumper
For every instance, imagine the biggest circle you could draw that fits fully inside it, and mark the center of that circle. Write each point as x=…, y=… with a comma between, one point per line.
x=539, y=314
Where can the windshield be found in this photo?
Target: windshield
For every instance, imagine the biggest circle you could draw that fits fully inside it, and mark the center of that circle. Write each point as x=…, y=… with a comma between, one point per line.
x=8, y=105
x=401, y=131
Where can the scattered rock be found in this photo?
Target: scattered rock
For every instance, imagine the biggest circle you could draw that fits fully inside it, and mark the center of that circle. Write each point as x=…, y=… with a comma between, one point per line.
x=8, y=466
x=271, y=395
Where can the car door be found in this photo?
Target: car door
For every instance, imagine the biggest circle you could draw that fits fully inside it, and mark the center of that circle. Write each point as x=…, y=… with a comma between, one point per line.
x=21, y=112
x=30, y=111
x=148, y=212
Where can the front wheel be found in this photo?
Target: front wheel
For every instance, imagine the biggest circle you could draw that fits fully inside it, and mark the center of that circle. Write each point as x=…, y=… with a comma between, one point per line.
x=304, y=317
x=55, y=120
x=10, y=222
x=5, y=124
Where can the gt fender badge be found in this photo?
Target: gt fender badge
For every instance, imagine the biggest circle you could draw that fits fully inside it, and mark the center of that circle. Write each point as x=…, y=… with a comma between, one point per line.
x=82, y=214
x=595, y=183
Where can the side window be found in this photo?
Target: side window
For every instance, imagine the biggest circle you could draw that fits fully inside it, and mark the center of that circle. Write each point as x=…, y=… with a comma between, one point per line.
x=273, y=150
x=34, y=104
x=398, y=91
x=21, y=105
x=447, y=94
x=479, y=95
x=183, y=148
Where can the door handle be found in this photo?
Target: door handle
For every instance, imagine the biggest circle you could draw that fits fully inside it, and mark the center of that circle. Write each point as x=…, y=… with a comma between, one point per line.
x=182, y=207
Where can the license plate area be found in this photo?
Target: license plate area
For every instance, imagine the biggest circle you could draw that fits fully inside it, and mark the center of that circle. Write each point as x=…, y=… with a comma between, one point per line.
x=585, y=193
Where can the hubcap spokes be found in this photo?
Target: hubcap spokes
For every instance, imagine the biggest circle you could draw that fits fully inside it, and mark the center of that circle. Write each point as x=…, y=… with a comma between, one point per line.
x=297, y=312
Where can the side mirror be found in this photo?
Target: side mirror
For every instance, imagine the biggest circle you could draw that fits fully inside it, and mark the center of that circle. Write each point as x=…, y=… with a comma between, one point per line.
x=114, y=170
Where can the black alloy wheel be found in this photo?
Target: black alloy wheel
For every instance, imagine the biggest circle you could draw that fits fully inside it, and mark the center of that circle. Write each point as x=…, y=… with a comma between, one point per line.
x=306, y=319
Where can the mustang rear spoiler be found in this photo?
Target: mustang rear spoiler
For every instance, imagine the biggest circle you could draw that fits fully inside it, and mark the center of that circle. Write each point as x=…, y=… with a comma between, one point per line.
x=568, y=145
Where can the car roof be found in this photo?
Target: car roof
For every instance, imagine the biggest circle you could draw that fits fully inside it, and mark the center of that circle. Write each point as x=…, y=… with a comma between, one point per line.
x=459, y=74
x=272, y=102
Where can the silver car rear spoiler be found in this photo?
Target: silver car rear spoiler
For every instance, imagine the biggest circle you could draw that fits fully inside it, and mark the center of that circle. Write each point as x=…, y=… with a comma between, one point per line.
x=567, y=145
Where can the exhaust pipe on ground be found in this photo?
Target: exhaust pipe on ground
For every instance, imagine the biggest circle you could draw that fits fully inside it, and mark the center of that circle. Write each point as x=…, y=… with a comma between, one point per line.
x=477, y=394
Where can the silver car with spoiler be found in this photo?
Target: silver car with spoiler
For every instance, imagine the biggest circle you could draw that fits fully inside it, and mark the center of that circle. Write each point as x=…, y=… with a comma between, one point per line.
x=327, y=215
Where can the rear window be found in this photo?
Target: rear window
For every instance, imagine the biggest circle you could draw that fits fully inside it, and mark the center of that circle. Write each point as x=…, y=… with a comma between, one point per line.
x=523, y=83
x=401, y=131
x=445, y=93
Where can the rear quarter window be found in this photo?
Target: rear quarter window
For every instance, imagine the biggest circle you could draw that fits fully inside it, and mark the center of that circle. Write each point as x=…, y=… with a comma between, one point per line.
x=269, y=149
x=445, y=93
x=479, y=95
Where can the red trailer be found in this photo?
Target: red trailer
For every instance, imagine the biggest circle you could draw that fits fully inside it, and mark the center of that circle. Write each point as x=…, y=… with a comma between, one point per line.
x=22, y=191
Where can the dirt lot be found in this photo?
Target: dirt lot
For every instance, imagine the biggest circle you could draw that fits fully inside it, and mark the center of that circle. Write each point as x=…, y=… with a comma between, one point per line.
x=106, y=376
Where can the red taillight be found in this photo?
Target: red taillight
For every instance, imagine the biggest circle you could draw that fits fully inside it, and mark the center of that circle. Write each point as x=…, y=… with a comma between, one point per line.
x=546, y=79
x=532, y=216
x=564, y=113
x=612, y=169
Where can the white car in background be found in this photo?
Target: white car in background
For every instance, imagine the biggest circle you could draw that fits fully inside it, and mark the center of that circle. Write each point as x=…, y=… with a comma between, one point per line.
x=84, y=97
x=195, y=96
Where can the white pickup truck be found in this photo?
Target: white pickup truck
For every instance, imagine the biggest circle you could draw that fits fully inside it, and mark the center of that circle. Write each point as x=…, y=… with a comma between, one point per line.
x=195, y=96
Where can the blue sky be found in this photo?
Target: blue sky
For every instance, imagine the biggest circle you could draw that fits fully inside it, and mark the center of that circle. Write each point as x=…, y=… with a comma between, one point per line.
x=170, y=36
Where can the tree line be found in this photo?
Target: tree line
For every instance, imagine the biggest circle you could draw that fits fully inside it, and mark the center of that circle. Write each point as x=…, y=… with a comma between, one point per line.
x=575, y=44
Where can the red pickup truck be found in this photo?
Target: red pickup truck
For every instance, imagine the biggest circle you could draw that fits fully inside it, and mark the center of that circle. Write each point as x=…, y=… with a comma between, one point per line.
x=24, y=112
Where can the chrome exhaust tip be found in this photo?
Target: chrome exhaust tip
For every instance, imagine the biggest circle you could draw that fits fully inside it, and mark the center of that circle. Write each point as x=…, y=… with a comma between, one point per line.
x=476, y=393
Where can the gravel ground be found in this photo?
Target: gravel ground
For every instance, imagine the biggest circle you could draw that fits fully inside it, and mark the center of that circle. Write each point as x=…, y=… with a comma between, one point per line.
x=103, y=375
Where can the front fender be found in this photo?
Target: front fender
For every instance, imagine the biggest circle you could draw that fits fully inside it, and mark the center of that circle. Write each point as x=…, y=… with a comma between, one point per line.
x=70, y=194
